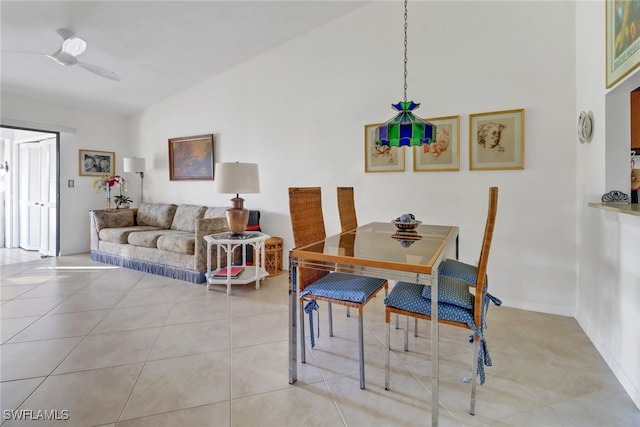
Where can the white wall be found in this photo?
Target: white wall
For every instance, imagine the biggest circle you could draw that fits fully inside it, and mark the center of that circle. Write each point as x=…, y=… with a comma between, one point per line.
x=608, y=299
x=79, y=129
x=300, y=110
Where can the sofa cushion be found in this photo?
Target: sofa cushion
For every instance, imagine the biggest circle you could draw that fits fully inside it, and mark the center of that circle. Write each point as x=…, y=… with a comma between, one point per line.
x=156, y=214
x=217, y=212
x=181, y=243
x=147, y=239
x=185, y=217
x=121, y=234
x=113, y=218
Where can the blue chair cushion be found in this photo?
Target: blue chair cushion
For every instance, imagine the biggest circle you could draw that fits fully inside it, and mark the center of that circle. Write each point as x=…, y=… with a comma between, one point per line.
x=343, y=287
x=459, y=270
x=408, y=297
x=451, y=291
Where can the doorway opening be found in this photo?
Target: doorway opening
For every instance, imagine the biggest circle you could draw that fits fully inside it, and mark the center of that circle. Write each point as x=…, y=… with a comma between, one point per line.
x=30, y=190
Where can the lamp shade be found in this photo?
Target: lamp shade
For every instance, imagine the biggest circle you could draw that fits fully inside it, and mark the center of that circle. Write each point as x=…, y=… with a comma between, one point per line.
x=237, y=178
x=405, y=129
x=133, y=164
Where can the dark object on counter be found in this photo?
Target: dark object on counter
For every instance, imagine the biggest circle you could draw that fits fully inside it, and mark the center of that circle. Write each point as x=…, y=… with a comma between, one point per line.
x=615, y=197
x=634, y=196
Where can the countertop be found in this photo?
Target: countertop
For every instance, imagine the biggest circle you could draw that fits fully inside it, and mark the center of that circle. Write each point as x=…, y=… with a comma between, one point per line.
x=625, y=208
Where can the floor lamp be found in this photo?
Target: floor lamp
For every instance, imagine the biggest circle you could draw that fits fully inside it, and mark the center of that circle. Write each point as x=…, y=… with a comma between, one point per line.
x=136, y=165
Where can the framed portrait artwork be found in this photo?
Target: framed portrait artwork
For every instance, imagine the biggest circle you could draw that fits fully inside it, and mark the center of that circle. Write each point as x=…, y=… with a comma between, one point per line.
x=622, y=39
x=191, y=158
x=496, y=140
x=444, y=153
x=96, y=163
x=380, y=158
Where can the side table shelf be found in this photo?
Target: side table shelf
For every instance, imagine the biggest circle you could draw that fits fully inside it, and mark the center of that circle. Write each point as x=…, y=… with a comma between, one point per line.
x=227, y=243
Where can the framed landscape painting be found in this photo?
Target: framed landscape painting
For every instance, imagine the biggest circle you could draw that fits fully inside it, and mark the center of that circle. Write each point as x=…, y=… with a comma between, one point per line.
x=496, y=140
x=191, y=158
x=380, y=158
x=96, y=163
x=444, y=154
x=622, y=39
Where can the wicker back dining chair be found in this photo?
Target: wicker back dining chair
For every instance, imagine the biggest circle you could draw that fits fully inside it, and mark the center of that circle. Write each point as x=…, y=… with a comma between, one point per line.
x=347, y=213
x=305, y=207
x=347, y=209
x=457, y=306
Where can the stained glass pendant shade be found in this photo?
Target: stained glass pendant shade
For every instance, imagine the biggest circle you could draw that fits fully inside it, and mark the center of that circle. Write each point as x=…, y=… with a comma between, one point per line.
x=405, y=129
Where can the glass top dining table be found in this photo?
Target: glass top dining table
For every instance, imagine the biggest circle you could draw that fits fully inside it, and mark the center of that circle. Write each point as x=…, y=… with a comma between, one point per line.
x=378, y=249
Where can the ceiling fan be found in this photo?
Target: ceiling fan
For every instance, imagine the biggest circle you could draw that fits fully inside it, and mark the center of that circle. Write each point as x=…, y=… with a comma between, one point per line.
x=69, y=51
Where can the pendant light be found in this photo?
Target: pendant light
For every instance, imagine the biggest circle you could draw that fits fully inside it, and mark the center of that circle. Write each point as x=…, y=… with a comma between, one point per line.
x=405, y=129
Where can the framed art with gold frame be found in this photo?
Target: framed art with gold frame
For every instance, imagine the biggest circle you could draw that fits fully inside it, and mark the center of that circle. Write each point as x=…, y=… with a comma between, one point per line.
x=191, y=158
x=96, y=163
x=496, y=140
x=622, y=39
x=444, y=154
x=380, y=158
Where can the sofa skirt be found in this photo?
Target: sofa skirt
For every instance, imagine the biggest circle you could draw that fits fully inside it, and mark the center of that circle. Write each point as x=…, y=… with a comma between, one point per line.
x=150, y=267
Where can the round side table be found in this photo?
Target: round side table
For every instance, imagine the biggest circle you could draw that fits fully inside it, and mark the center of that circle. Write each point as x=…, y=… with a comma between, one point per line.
x=273, y=256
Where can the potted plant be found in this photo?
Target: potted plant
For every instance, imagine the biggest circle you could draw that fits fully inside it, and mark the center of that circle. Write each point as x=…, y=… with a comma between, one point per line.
x=122, y=201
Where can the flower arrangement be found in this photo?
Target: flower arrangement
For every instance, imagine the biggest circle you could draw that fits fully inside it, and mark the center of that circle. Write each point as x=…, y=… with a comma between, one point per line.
x=105, y=182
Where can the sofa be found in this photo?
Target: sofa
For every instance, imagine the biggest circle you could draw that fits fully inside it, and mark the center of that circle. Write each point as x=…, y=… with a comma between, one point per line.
x=159, y=238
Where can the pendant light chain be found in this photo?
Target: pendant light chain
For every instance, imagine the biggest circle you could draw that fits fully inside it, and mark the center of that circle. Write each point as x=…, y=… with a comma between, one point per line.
x=405, y=129
x=405, y=50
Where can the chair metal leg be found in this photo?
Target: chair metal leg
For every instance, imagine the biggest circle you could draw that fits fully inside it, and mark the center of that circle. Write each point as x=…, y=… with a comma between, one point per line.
x=329, y=313
x=387, y=356
x=397, y=321
x=474, y=375
x=415, y=328
x=361, y=339
x=406, y=334
x=348, y=311
x=302, y=341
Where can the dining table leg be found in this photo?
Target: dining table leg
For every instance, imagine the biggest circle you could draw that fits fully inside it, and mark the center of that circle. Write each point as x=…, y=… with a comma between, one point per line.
x=293, y=351
x=435, y=373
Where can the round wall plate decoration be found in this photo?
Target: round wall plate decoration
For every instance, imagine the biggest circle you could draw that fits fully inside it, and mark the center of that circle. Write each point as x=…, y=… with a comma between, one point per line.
x=585, y=126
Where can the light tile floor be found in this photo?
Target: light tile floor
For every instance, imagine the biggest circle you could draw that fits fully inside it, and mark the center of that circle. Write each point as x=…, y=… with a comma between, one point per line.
x=116, y=347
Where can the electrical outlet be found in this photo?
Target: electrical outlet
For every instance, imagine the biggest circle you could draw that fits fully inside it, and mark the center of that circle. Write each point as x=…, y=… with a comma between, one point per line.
x=70, y=183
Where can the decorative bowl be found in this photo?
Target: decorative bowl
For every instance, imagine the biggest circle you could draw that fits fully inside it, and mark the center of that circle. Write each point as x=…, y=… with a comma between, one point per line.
x=410, y=225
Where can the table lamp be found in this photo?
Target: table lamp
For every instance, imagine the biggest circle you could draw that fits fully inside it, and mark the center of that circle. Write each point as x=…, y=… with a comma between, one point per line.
x=135, y=164
x=237, y=178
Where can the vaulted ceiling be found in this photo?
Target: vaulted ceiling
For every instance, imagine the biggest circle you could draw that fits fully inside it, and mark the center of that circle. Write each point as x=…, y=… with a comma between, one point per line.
x=158, y=48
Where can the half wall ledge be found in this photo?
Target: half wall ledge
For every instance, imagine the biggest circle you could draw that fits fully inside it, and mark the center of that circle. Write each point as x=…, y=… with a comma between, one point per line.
x=625, y=208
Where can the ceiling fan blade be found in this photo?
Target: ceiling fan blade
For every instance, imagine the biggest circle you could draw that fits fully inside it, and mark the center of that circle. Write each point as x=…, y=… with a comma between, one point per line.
x=100, y=71
x=63, y=58
x=65, y=33
x=24, y=52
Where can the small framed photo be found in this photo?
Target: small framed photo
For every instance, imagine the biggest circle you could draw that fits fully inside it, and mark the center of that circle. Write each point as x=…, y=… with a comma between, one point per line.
x=191, y=158
x=622, y=39
x=380, y=158
x=496, y=140
x=96, y=163
x=444, y=154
